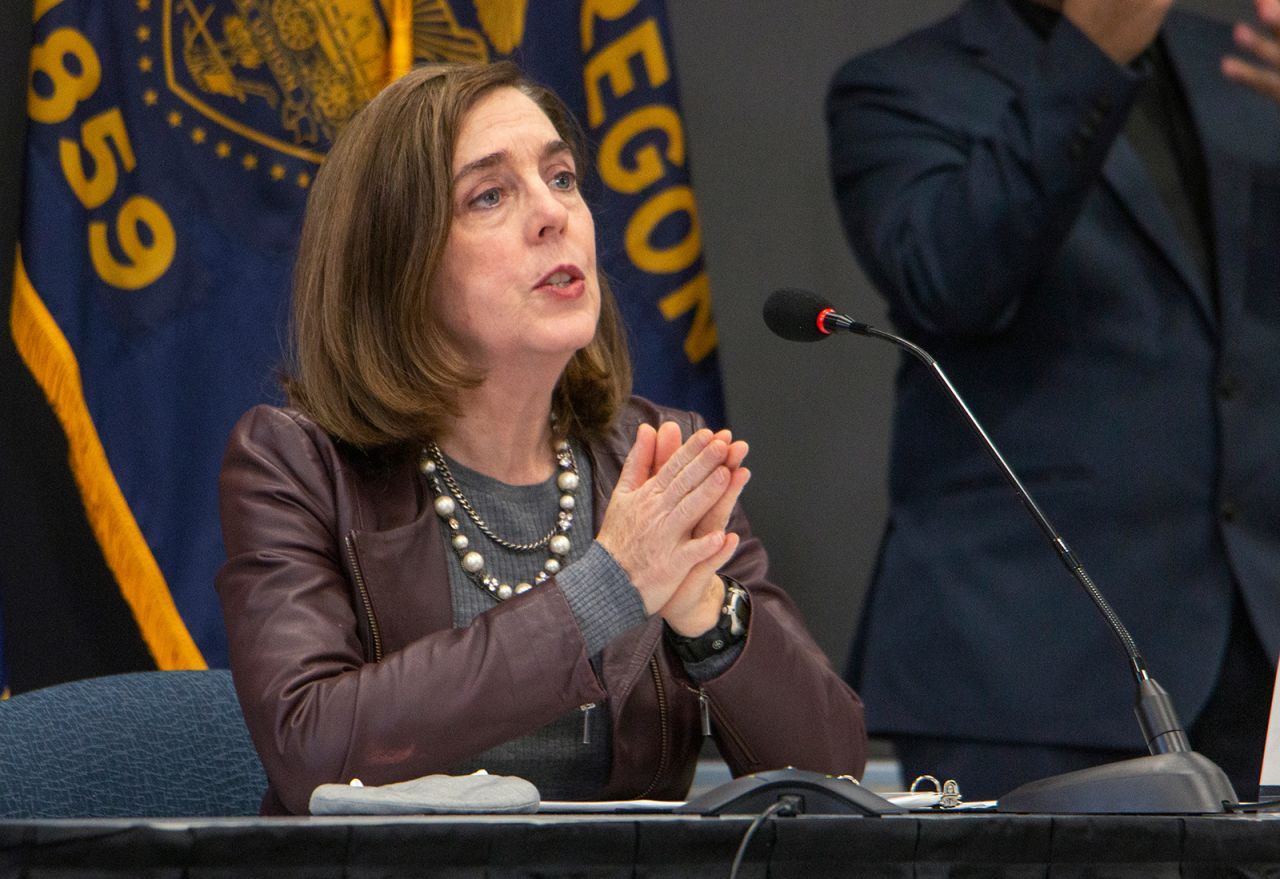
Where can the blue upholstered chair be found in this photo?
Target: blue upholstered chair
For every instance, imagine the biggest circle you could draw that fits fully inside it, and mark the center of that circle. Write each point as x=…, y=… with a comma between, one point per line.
x=161, y=743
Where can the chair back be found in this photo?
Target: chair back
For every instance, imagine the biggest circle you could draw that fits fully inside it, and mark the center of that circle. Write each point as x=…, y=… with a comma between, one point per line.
x=144, y=744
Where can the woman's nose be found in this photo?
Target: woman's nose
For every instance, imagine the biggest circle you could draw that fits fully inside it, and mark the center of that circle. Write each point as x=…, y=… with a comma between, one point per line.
x=548, y=213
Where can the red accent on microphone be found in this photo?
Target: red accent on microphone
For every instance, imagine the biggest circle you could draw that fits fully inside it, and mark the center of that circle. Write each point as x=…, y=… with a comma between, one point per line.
x=822, y=317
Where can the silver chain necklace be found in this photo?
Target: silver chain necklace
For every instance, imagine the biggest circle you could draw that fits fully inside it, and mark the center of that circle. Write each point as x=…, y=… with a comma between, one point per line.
x=449, y=497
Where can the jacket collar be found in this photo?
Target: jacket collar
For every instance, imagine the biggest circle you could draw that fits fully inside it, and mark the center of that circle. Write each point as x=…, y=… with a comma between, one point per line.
x=1128, y=178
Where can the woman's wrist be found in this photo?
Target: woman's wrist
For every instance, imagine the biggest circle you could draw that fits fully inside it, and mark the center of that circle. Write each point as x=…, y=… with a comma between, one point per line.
x=703, y=616
x=733, y=614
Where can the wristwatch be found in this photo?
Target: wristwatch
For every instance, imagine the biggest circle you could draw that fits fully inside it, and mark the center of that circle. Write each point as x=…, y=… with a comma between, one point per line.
x=729, y=630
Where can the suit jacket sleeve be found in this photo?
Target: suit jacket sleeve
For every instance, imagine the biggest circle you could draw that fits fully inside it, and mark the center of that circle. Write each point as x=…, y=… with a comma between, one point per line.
x=953, y=218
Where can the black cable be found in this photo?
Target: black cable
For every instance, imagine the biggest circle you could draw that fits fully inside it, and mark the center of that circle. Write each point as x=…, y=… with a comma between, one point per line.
x=787, y=805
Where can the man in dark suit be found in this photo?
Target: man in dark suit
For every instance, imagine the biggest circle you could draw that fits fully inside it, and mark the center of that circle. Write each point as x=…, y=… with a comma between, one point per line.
x=1079, y=216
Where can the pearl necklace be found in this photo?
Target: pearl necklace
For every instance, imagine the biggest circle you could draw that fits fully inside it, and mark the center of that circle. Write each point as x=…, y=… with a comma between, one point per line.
x=449, y=498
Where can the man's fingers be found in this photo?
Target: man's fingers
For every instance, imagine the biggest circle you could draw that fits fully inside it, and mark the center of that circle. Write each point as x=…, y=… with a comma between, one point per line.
x=1269, y=13
x=1264, y=81
x=1265, y=49
x=1262, y=73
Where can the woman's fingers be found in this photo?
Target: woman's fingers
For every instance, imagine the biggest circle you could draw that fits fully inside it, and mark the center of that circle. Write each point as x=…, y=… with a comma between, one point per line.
x=684, y=456
x=707, y=466
x=669, y=440
x=669, y=509
x=648, y=523
x=706, y=555
x=737, y=452
x=717, y=518
x=638, y=466
x=701, y=497
x=694, y=607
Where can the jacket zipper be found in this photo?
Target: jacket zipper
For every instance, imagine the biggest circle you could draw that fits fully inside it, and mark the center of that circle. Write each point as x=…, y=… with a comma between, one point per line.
x=364, y=597
x=586, y=721
x=664, y=722
x=706, y=709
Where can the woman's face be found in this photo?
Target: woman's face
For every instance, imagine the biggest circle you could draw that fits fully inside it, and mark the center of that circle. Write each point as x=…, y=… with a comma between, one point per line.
x=517, y=285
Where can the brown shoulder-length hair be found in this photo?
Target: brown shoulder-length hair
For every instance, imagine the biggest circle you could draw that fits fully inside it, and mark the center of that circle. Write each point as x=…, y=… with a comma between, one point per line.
x=368, y=361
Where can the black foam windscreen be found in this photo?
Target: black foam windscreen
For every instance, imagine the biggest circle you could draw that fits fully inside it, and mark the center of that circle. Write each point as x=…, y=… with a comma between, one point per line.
x=793, y=314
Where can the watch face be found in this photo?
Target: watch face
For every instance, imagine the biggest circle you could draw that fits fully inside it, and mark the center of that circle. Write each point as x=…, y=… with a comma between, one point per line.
x=737, y=611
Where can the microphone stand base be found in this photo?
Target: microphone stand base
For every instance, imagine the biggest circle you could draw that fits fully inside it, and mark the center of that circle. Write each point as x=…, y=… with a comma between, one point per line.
x=1178, y=783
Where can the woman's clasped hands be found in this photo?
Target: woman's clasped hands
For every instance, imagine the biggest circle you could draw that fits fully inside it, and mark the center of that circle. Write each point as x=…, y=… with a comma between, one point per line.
x=665, y=524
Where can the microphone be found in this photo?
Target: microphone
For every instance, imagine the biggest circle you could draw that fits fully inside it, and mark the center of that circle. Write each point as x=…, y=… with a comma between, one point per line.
x=801, y=316
x=1174, y=779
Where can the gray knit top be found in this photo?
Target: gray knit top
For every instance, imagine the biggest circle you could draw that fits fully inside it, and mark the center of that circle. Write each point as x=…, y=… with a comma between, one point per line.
x=570, y=757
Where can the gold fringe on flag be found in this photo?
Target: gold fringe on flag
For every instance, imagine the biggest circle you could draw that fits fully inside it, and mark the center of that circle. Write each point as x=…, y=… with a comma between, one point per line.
x=400, y=50
x=49, y=357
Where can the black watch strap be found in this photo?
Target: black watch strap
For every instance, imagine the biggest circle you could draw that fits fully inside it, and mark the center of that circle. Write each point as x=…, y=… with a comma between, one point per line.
x=731, y=628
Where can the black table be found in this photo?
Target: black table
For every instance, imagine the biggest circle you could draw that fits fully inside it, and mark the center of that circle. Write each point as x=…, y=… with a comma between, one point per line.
x=630, y=845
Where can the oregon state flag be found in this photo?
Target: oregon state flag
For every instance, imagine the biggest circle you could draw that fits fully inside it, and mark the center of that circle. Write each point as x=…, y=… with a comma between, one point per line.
x=170, y=148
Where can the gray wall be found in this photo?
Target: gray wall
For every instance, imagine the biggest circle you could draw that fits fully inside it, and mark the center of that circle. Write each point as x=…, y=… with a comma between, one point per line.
x=753, y=74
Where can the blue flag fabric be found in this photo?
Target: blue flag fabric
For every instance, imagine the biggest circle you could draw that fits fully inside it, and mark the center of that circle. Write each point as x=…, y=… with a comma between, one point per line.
x=171, y=145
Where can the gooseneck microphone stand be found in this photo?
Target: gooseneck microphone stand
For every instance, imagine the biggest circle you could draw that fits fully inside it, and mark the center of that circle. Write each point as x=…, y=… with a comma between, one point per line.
x=1174, y=779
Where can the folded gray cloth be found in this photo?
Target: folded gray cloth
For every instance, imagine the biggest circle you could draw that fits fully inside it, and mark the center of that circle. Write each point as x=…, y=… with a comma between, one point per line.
x=429, y=795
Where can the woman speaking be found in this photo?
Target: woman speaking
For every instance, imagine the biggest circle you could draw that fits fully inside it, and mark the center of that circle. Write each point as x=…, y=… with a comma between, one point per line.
x=464, y=545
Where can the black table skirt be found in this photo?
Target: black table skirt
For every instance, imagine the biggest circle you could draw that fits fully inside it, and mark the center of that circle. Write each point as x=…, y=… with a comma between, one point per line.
x=805, y=847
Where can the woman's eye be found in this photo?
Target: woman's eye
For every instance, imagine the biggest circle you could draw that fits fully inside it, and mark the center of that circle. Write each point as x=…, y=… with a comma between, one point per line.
x=487, y=199
x=564, y=180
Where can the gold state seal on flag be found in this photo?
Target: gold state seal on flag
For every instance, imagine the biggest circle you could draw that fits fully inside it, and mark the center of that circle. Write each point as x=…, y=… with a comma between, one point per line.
x=285, y=74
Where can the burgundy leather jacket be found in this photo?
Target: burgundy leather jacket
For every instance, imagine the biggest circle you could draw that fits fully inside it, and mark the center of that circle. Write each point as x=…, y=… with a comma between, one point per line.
x=337, y=605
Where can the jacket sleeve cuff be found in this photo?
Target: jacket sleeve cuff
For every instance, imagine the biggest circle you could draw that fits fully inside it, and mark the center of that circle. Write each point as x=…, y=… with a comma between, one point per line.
x=714, y=666
x=1092, y=92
